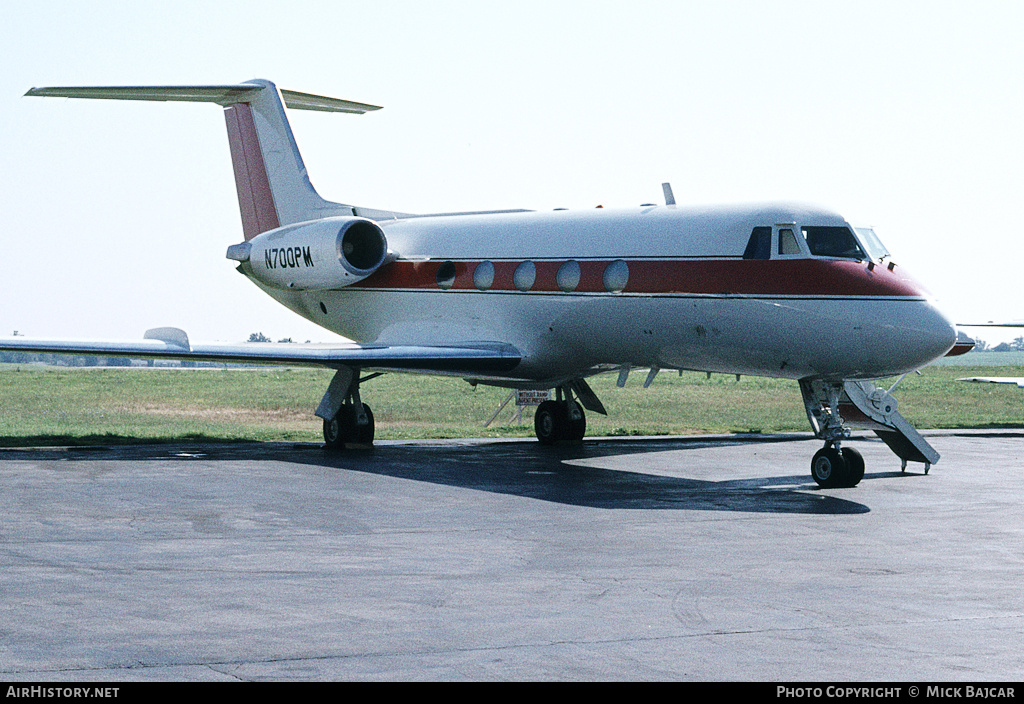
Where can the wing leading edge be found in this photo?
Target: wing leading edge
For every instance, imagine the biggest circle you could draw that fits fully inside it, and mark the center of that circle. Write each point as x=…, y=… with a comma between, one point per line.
x=171, y=343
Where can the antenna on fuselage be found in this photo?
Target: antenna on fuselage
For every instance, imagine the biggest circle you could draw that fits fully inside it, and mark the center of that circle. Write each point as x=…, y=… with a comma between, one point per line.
x=667, y=190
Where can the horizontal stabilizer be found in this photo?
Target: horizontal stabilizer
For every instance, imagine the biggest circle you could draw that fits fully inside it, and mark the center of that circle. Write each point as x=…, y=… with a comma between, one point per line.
x=222, y=94
x=227, y=94
x=306, y=101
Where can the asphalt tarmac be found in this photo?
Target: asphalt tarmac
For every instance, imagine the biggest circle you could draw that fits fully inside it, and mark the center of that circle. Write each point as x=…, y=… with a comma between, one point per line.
x=712, y=558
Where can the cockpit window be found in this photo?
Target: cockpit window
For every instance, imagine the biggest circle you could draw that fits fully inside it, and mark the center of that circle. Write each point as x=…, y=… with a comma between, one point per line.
x=833, y=242
x=760, y=244
x=870, y=240
x=787, y=242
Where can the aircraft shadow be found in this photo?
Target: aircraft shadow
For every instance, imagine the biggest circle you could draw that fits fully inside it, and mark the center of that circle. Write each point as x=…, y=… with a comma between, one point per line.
x=543, y=473
x=559, y=475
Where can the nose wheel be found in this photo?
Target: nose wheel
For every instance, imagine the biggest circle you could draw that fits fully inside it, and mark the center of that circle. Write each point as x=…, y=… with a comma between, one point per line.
x=833, y=467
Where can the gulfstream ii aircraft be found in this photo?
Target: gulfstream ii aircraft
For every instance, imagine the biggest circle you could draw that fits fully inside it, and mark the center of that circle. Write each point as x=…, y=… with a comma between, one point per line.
x=544, y=300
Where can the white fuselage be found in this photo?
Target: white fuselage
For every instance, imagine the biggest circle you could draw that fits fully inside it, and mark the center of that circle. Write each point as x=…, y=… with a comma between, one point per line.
x=582, y=291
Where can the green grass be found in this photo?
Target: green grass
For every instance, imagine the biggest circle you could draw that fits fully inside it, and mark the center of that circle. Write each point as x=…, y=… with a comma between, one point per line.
x=60, y=406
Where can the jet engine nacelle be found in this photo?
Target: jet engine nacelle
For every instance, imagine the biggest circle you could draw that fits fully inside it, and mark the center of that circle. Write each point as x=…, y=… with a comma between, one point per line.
x=320, y=254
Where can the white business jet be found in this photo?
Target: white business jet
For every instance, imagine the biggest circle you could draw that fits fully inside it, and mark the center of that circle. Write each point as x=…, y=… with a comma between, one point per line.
x=544, y=300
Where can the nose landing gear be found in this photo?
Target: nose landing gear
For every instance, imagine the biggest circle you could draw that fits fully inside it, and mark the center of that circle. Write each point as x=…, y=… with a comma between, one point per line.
x=865, y=406
x=832, y=466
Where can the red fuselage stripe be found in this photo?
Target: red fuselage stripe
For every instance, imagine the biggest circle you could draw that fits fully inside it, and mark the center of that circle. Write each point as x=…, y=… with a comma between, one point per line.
x=790, y=277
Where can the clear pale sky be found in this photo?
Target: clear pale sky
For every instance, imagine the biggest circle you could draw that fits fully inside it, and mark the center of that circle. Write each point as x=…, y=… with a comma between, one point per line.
x=116, y=216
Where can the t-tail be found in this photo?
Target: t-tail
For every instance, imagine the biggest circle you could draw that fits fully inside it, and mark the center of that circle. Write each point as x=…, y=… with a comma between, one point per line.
x=273, y=187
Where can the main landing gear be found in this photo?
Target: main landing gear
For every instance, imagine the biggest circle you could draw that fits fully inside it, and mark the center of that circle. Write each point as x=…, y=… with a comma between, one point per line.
x=347, y=420
x=349, y=427
x=561, y=420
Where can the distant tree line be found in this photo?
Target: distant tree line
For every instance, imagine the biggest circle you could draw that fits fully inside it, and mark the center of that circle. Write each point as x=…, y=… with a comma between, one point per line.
x=260, y=337
x=1016, y=345
x=67, y=360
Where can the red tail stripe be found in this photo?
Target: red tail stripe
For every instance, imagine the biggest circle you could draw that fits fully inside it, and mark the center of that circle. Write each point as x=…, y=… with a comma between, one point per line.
x=255, y=199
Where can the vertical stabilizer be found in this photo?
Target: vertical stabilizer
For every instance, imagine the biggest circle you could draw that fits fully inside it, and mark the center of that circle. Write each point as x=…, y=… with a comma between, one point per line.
x=273, y=186
x=272, y=182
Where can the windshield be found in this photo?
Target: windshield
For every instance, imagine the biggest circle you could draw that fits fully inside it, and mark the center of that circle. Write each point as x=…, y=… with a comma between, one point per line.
x=872, y=244
x=833, y=242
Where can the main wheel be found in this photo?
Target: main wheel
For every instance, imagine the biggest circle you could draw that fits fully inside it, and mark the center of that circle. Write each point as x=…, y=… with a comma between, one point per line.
x=855, y=466
x=363, y=434
x=334, y=437
x=577, y=422
x=828, y=468
x=549, y=422
x=343, y=428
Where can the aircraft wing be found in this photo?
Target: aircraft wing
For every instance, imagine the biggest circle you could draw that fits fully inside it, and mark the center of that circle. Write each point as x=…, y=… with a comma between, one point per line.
x=1018, y=380
x=990, y=323
x=171, y=343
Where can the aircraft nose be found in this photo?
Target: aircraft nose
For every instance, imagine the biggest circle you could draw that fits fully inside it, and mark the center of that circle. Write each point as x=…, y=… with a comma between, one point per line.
x=913, y=335
x=930, y=333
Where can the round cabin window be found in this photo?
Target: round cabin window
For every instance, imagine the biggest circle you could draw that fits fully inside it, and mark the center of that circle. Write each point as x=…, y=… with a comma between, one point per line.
x=568, y=276
x=483, y=276
x=616, y=276
x=524, y=276
x=446, y=275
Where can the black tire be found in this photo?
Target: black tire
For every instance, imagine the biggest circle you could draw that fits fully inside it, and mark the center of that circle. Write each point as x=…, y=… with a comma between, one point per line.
x=334, y=437
x=577, y=422
x=854, y=465
x=828, y=468
x=342, y=429
x=549, y=422
x=363, y=434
